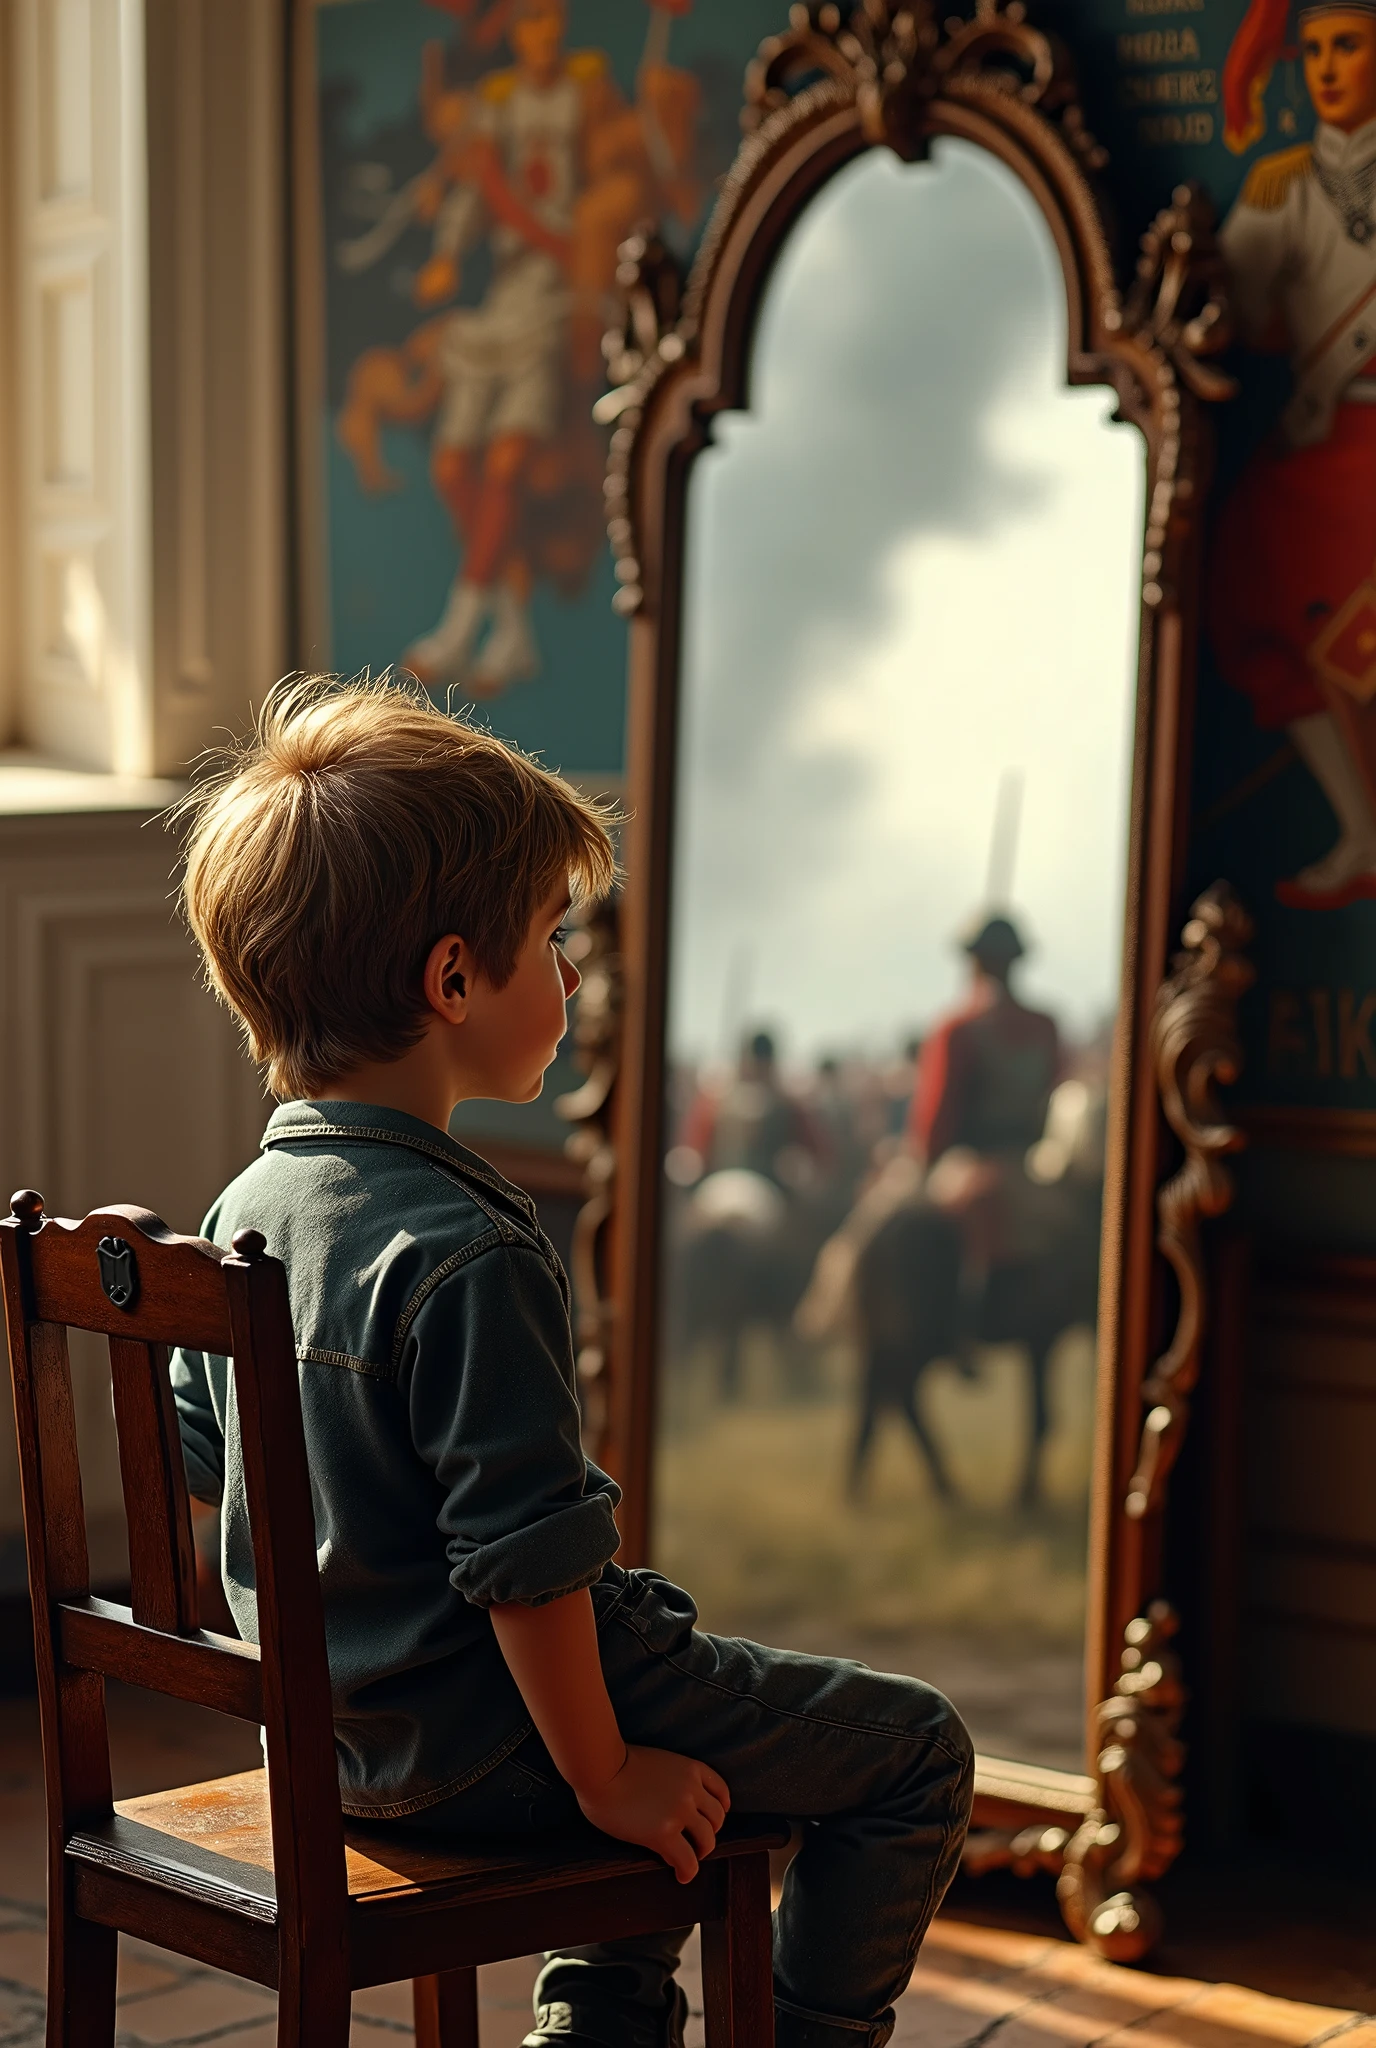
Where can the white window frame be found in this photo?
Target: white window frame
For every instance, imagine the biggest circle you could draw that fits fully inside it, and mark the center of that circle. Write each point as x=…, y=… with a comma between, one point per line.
x=143, y=376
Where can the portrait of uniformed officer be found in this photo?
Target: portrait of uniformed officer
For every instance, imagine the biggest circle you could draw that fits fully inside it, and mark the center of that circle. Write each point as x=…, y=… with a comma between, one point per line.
x=1292, y=588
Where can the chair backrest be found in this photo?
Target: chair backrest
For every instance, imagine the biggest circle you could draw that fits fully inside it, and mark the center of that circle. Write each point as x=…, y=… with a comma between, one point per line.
x=122, y=1273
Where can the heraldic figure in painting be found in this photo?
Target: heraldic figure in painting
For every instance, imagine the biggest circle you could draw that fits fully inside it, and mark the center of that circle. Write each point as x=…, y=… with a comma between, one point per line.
x=542, y=168
x=1293, y=583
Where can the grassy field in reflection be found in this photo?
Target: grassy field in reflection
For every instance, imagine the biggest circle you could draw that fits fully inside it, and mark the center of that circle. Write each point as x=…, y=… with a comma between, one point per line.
x=752, y=1516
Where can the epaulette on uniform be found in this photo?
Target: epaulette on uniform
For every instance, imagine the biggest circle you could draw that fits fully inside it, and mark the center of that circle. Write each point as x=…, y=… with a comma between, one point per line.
x=496, y=86
x=586, y=65
x=1270, y=179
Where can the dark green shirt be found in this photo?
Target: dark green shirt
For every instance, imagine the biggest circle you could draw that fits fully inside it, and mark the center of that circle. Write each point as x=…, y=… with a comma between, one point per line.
x=437, y=1385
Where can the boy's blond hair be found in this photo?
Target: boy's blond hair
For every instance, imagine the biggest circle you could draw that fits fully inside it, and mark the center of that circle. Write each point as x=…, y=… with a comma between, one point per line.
x=356, y=827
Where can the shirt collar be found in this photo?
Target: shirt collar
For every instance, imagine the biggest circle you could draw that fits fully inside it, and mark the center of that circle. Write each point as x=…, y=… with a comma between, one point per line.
x=371, y=1123
x=1340, y=152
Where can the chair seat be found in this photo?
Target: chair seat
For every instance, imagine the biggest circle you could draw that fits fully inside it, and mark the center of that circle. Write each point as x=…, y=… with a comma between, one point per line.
x=211, y=1845
x=227, y=1819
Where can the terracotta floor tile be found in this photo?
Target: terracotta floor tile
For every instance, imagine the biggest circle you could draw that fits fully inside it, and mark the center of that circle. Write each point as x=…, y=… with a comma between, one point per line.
x=24, y=1958
x=1067, y=1963
x=1267, y=2019
x=200, y=2006
x=1072, y=2019
x=503, y=1988
x=133, y=1950
x=1100, y=2001
x=945, y=2016
x=141, y=1974
x=998, y=1948
x=984, y=1997
x=21, y=2017
x=1229, y=2016
x=384, y=2002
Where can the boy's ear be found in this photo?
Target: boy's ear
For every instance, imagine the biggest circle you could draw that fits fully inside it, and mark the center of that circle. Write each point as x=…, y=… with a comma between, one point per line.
x=448, y=971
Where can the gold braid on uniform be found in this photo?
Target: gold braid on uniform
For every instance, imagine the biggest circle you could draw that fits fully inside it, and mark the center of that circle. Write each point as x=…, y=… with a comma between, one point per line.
x=1268, y=181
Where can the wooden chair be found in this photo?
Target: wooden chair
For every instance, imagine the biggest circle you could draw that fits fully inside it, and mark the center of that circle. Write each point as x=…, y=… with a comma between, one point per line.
x=258, y=1873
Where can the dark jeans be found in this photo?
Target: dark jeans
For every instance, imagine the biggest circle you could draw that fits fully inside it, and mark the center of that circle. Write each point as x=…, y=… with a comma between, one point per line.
x=878, y=1770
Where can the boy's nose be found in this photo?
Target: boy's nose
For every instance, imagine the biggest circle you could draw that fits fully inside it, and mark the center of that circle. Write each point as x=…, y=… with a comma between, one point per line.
x=573, y=980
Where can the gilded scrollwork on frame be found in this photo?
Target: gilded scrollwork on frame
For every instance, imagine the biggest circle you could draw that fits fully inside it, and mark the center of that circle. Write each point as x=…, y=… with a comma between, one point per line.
x=1025, y=1851
x=891, y=59
x=595, y=949
x=893, y=65
x=1134, y=1833
x=1195, y=1047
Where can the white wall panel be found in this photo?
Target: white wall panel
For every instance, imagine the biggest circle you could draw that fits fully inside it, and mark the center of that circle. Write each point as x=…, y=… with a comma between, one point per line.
x=80, y=293
x=67, y=372
x=217, y=199
x=143, y=203
x=124, y=1079
x=65, y=106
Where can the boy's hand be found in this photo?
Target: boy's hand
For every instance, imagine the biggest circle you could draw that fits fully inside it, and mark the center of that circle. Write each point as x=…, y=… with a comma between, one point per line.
x=664, y=1802
x=651, y=1797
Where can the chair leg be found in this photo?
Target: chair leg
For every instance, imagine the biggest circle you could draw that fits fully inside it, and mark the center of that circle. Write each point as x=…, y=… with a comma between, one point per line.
x=82, y=1960
x=738, y=1959
x=313, y=2000
x=447, y=2010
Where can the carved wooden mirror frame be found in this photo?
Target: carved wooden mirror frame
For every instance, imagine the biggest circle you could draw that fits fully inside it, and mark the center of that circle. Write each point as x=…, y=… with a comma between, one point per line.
x=837, y=82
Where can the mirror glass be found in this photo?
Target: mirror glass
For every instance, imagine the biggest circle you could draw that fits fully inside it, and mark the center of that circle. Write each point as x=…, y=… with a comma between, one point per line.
x=902, y=785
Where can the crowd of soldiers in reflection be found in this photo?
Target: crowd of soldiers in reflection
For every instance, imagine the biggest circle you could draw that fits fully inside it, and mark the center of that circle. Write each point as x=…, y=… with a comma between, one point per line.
x=911, y=1210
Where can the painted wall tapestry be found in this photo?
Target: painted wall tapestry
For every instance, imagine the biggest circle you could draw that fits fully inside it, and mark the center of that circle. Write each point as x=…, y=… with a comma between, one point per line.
x=1271, y=105
x=480, y=161
x=1290, y=601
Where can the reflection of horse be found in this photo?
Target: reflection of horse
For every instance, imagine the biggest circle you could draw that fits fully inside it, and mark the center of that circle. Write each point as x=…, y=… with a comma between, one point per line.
x=743, y=1254
x=915, y=1301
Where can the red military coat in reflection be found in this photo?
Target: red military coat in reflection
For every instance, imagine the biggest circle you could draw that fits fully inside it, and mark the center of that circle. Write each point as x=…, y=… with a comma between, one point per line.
x=985, y=1077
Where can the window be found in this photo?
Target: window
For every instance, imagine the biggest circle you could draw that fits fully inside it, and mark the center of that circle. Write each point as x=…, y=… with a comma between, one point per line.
x=144, y=376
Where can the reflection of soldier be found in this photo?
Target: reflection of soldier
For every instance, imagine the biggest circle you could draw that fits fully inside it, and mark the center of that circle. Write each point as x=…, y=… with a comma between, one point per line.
x=961, y=1239
x=1293, y=597
x=983, y=1085
x=754, y=1123
x=987, y=1071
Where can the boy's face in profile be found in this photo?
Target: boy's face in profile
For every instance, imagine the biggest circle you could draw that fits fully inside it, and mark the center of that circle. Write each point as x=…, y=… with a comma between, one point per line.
x=511, y=1034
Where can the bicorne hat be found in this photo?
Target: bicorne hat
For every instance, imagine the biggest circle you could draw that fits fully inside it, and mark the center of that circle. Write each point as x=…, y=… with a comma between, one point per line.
x=993, y=941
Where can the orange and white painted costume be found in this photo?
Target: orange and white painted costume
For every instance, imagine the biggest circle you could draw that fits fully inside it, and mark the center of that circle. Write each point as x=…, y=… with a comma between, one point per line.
x=1297, y=537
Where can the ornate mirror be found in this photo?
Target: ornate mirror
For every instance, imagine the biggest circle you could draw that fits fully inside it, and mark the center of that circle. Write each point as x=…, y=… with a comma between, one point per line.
x=909, y=657
x=909, y=713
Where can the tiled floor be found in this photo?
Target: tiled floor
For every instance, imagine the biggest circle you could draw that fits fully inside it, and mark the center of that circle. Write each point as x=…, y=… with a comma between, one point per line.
x=975, y=1984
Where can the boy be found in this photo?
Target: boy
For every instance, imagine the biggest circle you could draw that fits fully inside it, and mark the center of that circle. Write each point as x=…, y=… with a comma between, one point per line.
x=378, y=891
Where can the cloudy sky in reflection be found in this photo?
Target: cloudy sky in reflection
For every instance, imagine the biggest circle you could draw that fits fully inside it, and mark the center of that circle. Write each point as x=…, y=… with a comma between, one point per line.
x=912, y=569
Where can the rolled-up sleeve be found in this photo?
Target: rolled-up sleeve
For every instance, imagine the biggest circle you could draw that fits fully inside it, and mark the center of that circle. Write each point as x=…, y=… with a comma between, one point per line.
x=487, y=1370
x=203, y=1444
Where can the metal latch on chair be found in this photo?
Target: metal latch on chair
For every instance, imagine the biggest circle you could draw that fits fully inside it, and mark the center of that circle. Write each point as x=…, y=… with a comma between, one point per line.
x=119, y=1272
